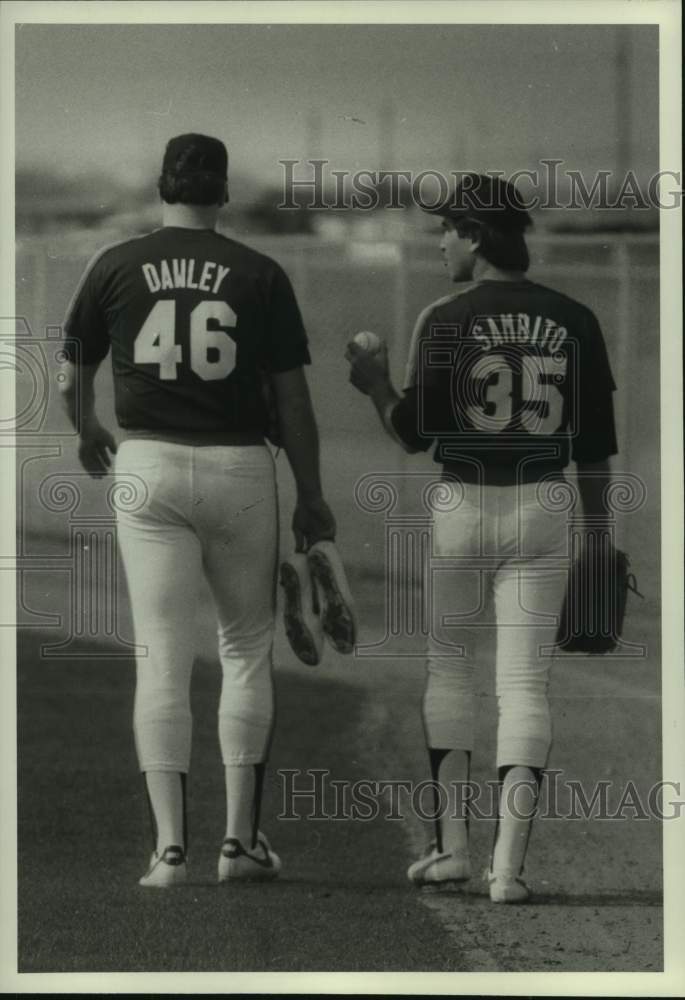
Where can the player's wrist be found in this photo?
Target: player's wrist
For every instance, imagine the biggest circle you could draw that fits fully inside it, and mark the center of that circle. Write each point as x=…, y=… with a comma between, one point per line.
x=309, y=494
x=381, y=388
x=384, y=397
x=88, y=425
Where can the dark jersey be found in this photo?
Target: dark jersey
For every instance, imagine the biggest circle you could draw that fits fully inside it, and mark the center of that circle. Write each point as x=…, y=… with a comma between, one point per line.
x=509, y=380
x=194, y=320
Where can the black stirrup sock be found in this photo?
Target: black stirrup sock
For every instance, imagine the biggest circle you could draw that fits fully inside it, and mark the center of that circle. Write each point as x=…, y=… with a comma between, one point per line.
x=257, y=800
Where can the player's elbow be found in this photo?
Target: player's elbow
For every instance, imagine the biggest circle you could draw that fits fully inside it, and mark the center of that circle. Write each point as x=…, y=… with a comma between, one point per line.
x=295, y=412
x=67, y=381
x=408, y=448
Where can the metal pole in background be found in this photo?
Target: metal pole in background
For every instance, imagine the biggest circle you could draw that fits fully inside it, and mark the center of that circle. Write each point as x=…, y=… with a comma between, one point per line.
x=623, y=102
x=401, y=321
x=624, y=346
x=39, y=299
x=313, y=137
x=386, y=136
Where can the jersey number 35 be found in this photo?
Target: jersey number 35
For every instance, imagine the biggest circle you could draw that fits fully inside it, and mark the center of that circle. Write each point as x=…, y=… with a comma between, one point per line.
x=531, y=395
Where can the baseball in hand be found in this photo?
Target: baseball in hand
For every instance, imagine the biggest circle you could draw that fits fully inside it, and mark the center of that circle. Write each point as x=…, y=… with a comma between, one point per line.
x=368, y=341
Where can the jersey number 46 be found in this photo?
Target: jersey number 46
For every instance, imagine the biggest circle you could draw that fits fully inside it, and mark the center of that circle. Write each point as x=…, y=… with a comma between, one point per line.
x=212, y=350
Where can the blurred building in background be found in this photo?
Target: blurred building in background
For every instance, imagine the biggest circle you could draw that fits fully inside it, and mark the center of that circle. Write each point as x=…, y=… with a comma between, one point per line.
x=50, y=203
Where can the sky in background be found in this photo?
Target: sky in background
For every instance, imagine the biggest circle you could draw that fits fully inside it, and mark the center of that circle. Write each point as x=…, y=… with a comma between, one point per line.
x=485, y=97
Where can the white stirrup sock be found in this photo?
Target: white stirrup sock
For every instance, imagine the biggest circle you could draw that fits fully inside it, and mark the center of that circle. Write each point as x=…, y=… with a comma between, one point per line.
x=166, y=796
x=243, y=795
x=452, y=774
x=518, y=800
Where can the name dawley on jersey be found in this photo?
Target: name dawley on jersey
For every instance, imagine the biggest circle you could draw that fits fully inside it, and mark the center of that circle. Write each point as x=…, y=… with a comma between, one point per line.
x=180, y=273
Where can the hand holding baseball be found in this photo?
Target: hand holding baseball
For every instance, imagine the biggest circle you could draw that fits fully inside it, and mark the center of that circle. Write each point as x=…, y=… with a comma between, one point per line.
x=368, y=357
x=368, y=341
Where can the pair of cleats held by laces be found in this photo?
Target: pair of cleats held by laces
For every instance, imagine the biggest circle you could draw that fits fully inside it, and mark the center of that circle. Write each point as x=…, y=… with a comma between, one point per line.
x=447, y=868
x=318, y=603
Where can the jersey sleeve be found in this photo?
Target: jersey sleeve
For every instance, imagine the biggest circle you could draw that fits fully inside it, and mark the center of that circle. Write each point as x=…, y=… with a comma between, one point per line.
x=408, y=415
x=595, y=429
x=85, y=324
x=286, y=339
x=421, y=330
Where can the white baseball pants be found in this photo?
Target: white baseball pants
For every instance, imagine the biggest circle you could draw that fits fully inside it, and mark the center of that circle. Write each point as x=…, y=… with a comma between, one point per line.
x=508, y=543
x=208, y=510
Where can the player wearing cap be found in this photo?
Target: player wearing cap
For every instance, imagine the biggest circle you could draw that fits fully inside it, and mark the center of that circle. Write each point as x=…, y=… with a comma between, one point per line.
x=508, y=381
x=195, y=322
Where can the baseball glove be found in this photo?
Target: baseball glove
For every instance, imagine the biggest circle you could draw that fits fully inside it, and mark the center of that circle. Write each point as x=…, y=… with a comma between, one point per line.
x=594, y=608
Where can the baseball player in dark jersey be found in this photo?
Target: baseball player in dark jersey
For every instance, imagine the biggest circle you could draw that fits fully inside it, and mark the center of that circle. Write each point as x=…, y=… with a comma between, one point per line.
x=508, y=381
x=195, y=322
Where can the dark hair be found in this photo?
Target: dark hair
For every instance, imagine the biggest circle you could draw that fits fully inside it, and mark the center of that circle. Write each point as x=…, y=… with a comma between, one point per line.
x=503, y=248
x=202, y=188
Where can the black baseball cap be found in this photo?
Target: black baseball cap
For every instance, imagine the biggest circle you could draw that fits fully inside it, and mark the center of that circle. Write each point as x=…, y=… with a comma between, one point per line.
x=484, y=199
x=195, y=154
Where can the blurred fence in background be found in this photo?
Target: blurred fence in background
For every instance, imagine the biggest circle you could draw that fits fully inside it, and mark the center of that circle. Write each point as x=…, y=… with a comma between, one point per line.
x=347, y=286
x=379, y=285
